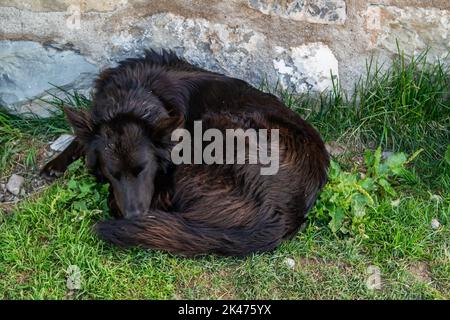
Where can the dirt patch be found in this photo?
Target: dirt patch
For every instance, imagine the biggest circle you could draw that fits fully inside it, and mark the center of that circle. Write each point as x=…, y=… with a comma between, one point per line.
x=206, y=285
x=420, y=271
x=312, y=266
x=33, y=182
x=335, y=149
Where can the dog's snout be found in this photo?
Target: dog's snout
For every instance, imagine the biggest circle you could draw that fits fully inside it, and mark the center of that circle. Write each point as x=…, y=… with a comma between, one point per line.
x=132, y=212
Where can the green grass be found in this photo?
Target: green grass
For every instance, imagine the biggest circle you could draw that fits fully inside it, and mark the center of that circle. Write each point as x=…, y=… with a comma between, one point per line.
x=404, y=108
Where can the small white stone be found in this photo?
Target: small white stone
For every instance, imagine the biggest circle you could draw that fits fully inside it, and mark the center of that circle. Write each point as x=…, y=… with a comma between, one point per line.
x=14, y=184
x=62, y=142
x=435, y=197
x=395, y=203
x=290, y=263
x=386, y=154
x=435, y=224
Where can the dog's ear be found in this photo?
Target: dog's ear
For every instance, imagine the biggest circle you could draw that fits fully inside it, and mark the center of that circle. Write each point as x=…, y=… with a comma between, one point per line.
x=163, y=130
x=80, y=121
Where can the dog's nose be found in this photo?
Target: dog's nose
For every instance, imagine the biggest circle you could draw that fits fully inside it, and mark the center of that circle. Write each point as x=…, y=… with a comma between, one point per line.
x=132, y=212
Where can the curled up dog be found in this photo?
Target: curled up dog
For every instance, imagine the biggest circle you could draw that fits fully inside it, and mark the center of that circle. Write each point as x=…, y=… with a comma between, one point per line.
x=176, y=189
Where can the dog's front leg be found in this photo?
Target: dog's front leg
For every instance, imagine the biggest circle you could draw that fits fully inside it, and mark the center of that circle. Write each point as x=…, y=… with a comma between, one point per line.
x=112, y=205
x=57, y=166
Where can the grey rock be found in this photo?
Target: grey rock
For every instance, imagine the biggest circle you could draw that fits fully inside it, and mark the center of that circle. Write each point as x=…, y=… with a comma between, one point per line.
x=49, y=153
x=436, y=197
x=414, y=29
x=319, y=11
x=29, y=71
x=14, y=184
x=435, y=224
x=112, y=30
x=62, y=142
x=235, y=50
x=386, y=154
x=35, y=108
x=290, y=263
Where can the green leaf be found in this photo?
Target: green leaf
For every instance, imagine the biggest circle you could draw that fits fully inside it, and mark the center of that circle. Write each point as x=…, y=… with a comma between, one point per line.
x=337, y=219
x=335, y=170
x=387, y=187
x=359, y=203
x=376, y=161
x=396, y=161
x=368, y=158
x=72, y=184
x=79, y=205
x=367, y=184
x=75, y=166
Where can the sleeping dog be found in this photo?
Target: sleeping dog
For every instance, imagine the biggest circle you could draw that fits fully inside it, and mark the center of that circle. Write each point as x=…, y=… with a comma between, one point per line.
x=191, y=207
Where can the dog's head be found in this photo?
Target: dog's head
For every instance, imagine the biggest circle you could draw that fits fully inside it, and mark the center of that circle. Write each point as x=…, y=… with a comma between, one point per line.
x=127, y=152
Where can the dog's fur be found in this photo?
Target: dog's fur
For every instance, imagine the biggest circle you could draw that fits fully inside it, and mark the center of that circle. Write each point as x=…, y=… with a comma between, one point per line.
x=191, y=209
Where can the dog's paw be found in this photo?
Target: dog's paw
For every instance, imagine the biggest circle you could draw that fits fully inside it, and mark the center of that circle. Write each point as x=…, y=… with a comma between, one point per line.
x=52, y=170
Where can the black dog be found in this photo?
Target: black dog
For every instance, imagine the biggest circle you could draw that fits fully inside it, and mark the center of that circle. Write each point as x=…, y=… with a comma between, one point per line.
x=191, y=209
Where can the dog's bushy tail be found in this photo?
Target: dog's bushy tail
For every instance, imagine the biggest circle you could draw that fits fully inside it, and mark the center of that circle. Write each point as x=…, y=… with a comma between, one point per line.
x=169, y=232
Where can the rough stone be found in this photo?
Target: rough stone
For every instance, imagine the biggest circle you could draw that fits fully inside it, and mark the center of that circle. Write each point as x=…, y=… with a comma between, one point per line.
x=28, y=70
x=294, y=42
x=415, y=29
x=236, y=50
x=436, y=197
x=306, y=67
x=14, y=184
x=321, y=11
x=435, y=224
x=386, y=154
x=290, y=263
x=62, y=142
x=64, y=5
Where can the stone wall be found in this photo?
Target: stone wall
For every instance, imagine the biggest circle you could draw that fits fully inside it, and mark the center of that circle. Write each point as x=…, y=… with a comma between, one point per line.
x=298, y=43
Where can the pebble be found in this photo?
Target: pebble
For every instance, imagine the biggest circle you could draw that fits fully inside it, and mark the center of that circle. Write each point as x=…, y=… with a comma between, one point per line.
x=14, y=184
x=435, y=224
x=49, y=153
x=436, y=198
x=386, y=154
x=395, y=203
x=290, y=263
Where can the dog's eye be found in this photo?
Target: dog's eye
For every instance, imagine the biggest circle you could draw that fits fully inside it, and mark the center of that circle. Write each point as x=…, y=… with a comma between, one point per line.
x=137, y=170
x=116, y=175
